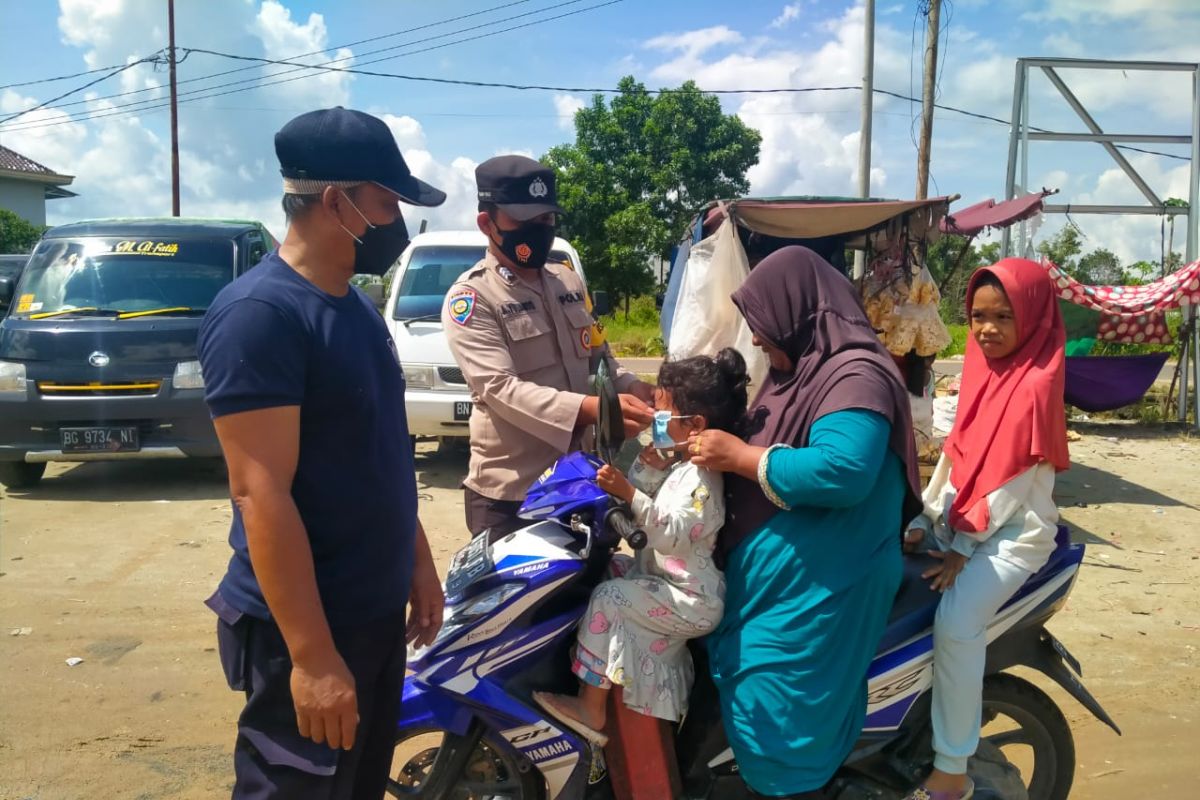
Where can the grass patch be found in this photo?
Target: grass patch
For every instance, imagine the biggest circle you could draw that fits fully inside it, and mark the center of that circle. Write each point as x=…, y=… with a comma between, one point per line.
x=958, y=341
x=640, y=334
x=1149, y=410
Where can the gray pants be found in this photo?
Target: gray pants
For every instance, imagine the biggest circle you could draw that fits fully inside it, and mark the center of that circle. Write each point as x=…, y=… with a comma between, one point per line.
x=484, y=513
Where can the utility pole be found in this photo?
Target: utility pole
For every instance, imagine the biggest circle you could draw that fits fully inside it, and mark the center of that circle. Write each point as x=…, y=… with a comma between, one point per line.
x=927, y=97
x=864, y=137
x=174, y=110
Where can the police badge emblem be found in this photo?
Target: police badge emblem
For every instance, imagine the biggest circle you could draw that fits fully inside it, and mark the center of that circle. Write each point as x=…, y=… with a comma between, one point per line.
x=462, y=306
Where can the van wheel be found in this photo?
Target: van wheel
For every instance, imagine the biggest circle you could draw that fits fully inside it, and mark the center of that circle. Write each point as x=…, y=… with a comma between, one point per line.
x=21, y=475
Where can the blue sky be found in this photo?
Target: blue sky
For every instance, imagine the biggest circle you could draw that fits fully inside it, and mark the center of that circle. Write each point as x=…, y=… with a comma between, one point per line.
x=810, y=141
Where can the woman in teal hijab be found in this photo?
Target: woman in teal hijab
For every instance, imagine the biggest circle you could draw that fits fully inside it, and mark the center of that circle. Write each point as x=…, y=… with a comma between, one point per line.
x=817, y=497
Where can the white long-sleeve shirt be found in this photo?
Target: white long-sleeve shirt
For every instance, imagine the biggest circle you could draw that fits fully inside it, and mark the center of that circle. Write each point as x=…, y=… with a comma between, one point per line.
x=1022, y=517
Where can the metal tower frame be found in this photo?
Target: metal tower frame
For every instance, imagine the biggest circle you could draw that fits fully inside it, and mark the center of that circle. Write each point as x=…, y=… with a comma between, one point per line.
x=1018, y=157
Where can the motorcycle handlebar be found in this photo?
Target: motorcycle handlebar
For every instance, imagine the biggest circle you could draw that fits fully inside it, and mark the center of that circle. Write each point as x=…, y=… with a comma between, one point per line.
x=620, y=520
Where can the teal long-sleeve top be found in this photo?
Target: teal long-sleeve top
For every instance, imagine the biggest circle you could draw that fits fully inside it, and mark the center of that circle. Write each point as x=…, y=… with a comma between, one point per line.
x=807, y=599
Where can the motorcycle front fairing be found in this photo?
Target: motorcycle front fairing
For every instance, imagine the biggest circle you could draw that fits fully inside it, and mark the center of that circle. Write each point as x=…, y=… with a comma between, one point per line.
x=501, y=620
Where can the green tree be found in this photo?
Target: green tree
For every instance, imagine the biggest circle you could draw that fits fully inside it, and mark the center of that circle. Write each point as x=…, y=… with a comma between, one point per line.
x=16, y=234
x=1062, y=248
x=1100, y=268
x=1140, y=272
x=952, y=260
x=640, y=166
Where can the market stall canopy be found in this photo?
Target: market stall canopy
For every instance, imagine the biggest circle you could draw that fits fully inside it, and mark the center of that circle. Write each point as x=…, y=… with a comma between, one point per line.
x=990, y=214
x=817, y=217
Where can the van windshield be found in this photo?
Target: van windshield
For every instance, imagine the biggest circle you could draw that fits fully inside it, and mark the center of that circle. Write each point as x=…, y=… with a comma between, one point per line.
x=111, y=276
x=431, y=271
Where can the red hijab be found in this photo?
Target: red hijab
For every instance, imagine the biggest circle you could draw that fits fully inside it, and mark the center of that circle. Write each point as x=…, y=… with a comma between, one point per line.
x=1010, y=411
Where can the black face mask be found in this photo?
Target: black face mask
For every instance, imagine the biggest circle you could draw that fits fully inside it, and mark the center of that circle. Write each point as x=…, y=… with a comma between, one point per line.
x=380, y=245
x=529, y=245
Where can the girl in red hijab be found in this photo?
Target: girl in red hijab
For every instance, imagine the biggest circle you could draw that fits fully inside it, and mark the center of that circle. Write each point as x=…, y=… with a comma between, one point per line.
x=989, y=504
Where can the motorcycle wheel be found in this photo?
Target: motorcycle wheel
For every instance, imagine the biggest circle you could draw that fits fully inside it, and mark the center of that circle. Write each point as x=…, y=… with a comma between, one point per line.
x=421, y=769
x=1024, y=724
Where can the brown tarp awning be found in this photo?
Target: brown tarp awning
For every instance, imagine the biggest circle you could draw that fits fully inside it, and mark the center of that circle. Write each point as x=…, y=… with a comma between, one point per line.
x=990, y=214
x=804, y=218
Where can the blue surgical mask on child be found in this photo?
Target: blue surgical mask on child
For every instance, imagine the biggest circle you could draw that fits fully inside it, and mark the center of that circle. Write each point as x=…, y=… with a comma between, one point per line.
x=661, y=439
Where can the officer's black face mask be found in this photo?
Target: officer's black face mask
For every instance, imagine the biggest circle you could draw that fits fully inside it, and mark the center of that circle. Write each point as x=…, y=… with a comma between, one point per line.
x=379, y=246
x=529, y=245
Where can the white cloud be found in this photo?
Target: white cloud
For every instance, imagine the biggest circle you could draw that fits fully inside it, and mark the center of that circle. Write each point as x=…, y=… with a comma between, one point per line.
x=1130, y=237
x=54, y=146
x=694, y=44
x=284, y=39
x=408, y=132
x=567, y=105
x=457, y=179
x=786, y=17
x=809, y=140
x=1055, y=179
x=227, y=161
x=112, y=25
x=1062, y=44
x=1105, y=10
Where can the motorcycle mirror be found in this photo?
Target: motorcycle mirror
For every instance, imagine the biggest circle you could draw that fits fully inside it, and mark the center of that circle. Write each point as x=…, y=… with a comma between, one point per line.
x=601, y=305
x=610, y=427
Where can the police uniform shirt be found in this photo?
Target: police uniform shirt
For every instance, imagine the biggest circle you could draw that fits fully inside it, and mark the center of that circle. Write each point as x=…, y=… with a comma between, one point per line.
x=524, y=350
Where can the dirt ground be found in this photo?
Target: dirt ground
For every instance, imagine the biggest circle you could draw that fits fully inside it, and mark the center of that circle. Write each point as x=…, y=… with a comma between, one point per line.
x=110, y=563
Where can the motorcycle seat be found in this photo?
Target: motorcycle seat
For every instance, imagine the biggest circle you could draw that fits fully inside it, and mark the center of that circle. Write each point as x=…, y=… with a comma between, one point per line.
x=915, y=604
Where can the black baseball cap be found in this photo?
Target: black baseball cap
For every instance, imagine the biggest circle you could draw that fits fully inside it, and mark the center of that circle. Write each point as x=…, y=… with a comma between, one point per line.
x=342, y=145
x=521, y=187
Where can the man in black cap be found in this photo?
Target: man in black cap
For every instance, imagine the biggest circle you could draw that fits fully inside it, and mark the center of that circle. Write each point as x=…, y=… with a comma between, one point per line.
x=520, y=329
x=307, y=395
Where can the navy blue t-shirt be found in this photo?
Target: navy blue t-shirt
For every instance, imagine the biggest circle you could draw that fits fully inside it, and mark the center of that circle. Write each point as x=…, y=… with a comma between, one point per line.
x=271, y=339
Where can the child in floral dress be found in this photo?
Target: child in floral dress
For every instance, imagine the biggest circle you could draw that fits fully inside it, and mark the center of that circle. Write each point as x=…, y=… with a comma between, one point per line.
x=635, y=632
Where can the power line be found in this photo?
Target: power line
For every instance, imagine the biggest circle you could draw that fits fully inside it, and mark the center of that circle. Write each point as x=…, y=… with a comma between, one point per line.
x=568, y=89
x=62, y=77
x=394, y=34
x=76, y=90
x=141, y=105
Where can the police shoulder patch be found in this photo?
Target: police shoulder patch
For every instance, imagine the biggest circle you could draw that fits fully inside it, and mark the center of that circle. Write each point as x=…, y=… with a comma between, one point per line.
x=461, y=305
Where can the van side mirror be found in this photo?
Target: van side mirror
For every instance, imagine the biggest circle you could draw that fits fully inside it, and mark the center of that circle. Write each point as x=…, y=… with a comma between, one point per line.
x=6, y=292
x=601, y=305
x=374, y=291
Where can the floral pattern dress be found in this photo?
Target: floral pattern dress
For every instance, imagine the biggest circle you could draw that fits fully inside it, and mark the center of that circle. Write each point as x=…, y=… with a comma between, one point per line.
x=637, y=625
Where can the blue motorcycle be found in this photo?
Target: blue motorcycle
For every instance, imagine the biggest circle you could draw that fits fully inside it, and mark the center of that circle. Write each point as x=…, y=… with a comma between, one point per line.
x=470, y=729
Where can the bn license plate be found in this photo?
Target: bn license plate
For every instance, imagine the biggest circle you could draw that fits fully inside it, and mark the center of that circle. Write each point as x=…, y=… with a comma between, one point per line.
x=468, y=564
x=462, y=411
x=100, y=439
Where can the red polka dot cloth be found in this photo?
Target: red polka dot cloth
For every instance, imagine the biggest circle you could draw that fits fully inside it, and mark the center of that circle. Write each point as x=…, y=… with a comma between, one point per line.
x=1135, y=314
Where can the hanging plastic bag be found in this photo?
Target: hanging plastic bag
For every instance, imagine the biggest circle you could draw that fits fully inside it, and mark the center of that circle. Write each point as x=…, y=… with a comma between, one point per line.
x=705, y=319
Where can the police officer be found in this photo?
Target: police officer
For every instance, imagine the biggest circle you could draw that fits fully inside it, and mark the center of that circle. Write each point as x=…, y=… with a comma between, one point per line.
x=520, y=329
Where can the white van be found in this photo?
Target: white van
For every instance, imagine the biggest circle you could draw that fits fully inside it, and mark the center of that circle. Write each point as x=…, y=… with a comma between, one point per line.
x=437, y=400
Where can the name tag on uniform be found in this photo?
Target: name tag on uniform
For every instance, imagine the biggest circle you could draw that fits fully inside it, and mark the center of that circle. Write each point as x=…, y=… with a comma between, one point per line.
x=509, y=309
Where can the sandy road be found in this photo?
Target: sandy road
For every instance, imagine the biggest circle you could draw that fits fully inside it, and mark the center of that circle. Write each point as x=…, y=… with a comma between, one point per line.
x=110, y=563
